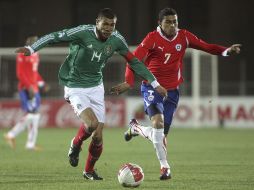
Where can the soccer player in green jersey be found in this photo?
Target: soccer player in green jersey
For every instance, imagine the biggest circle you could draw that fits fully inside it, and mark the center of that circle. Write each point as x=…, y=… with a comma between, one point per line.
x=81, y=74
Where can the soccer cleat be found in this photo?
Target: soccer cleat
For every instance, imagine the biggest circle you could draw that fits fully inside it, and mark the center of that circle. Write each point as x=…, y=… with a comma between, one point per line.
x=74, y=154
x=131, y=130
x=92, y=176
x=165, y=174
x=10, y=141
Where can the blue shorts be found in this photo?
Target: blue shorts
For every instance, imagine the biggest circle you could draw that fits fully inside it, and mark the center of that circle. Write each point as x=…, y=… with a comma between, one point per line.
x=154, y=104
x=30, y=106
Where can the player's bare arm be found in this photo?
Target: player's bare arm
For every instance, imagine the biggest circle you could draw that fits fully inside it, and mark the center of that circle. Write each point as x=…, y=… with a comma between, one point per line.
x=120, y=88
x=123, y=87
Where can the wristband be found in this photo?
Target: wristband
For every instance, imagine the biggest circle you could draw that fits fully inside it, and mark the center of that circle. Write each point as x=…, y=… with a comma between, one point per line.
x=30, y=49
x=155, y=84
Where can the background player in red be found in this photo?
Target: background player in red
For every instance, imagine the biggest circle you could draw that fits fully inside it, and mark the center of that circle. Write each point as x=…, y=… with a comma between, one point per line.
x=162, y=52
x=28, y=86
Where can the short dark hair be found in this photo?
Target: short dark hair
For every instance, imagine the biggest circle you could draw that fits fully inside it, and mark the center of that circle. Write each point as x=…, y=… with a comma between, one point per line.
x=166, y=12
x=106, y=12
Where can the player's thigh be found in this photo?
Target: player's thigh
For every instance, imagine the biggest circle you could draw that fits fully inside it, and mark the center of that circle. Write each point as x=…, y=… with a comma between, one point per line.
x=89, y=118
x=170, y=105
x=153, y=102
x=28, y=105
x=98, y=102
x=87, y=103
x=23, y=95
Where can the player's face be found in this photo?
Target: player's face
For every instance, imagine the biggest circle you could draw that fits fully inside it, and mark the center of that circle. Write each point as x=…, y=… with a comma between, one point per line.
x=169, y=25
x=105, y=27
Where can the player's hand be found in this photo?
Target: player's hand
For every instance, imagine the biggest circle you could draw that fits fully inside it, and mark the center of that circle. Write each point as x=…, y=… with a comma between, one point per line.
x=162, y=91
x=31, y=93
x=23, y=50
x=44, y=88
x=235, y=48
x=120, y=88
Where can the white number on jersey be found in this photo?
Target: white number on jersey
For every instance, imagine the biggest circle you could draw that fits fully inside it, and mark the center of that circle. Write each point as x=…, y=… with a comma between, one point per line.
x=96, y=55
x=167, y=56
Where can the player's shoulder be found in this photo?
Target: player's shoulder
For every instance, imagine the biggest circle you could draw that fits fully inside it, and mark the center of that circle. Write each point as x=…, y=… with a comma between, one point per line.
x=152, y=34
x=117, y=35
x=82, y=28
x=87, y=27
x=183, y=32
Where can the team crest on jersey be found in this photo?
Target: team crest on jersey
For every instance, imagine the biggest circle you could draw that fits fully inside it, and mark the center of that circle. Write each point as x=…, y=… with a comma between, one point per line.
x=178, y=47
x=60, y=34
x=108, y=49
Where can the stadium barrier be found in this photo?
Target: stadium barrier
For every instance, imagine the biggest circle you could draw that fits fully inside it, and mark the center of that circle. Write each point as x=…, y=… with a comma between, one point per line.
x=230, y=112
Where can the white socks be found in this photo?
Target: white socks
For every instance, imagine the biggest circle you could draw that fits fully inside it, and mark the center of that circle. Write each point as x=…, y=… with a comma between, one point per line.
x=156, y=136
x=20, y=126
x=161, y=151
x=31, y=121
x=145, y=132
x=33, y=131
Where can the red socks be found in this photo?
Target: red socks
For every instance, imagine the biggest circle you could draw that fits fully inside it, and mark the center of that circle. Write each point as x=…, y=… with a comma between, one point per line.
x=95, y=151
x=81, y=135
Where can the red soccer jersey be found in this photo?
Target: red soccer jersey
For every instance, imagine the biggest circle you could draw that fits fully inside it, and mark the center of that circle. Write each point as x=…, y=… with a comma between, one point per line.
x=164, y=57
x=27, y=71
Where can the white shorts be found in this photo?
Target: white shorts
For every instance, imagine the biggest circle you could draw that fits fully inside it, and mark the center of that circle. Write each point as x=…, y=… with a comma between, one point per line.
x=82, y=98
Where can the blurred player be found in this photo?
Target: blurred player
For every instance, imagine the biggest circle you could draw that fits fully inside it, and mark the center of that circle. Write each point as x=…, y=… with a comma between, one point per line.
x=162, y=52
x=81, y=74
x=28, y=86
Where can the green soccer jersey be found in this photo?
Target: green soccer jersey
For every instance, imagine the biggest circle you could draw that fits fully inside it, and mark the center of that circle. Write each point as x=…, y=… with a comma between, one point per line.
x=88, y=55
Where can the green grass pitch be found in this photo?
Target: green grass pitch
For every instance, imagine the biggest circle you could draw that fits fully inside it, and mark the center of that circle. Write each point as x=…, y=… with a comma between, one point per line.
x=201, y=159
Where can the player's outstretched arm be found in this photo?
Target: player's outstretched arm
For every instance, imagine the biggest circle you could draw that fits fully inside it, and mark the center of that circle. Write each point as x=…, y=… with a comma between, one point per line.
x=120, y=88
x=23, y=50
x=234, y=49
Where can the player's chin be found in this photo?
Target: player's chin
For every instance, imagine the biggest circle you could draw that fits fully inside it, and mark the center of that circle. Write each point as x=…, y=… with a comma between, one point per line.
x=106, y=35
x=172, y=32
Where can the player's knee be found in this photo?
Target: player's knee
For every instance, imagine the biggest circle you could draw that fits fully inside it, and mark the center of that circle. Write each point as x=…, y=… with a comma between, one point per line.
x=158, y=124
x=92, y=126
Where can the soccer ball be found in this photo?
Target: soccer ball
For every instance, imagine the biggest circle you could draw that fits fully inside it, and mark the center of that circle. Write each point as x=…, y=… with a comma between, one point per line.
x=130, y=175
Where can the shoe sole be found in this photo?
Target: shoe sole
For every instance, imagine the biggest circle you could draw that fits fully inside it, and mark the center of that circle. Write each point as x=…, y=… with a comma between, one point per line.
x=91, y=178
x=165, y=178
x=127, y=137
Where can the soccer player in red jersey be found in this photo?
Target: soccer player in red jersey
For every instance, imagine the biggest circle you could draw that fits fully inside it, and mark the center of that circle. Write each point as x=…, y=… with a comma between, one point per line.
x=28, y=87
x=162, y=51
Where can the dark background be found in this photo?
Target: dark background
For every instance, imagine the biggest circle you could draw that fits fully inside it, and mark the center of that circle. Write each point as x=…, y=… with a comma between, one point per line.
x=223, y=22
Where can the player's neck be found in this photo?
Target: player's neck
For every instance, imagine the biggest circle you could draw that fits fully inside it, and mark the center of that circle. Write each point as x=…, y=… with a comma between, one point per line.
x=170, y=37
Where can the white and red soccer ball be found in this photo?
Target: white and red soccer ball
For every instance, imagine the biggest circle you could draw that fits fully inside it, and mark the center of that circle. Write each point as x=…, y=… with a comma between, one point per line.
x=130, y=175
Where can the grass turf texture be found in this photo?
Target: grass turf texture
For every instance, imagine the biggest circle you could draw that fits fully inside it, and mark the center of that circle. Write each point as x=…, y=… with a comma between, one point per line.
x=200, y=159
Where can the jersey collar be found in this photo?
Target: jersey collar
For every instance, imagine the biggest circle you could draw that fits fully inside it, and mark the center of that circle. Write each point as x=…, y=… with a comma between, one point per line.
x=94, y=30
x=163, y=36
